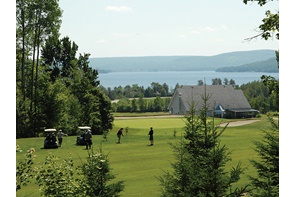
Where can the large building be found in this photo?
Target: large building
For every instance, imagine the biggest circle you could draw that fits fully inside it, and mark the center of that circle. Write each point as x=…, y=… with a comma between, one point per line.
x=224, y=101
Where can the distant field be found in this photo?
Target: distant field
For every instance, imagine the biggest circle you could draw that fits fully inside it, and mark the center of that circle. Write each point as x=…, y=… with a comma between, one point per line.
x=137, y=114
x=136, y=163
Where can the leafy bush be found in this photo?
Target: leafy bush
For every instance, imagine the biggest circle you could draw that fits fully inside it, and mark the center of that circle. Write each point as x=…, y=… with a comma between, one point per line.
x=56, y=177
x=24, y=169
x=95, y=176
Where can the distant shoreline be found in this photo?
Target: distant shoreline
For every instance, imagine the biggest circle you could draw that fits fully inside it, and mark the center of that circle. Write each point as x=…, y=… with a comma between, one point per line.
x=171, y=78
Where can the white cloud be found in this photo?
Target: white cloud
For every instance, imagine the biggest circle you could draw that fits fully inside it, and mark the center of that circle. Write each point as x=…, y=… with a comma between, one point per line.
x=118, y=8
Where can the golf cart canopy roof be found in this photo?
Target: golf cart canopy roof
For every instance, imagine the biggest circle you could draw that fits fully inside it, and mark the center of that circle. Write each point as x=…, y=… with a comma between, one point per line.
x=49, y=130
x=84, y=127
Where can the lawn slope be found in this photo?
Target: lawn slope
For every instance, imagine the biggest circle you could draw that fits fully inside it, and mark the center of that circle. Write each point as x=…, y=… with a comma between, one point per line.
x=136, y=163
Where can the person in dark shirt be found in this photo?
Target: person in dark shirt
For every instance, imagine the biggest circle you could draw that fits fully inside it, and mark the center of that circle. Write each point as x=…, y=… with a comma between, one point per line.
x=119, y=134
x=88, y=139
x=151, y=134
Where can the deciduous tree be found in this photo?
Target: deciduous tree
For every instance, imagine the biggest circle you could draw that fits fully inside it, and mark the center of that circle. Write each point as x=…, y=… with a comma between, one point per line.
x=270, y=24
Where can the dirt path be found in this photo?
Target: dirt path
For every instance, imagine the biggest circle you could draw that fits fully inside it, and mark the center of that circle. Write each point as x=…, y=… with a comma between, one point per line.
x=238, y=123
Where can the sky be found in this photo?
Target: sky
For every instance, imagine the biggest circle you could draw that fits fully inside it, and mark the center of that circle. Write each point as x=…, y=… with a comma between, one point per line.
x=119, y=28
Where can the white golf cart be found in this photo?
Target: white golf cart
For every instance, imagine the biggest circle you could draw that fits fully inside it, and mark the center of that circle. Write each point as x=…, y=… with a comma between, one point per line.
x=81, y=133
x=50, y=138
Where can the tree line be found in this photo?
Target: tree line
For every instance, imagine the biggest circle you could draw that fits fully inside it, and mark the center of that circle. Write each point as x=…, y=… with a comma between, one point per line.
x=55, y=87
x=134, y=98
x=154, y=90
x=260, y=96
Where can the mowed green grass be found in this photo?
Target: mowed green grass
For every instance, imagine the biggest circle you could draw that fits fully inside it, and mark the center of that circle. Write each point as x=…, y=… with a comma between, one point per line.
x=138, y=164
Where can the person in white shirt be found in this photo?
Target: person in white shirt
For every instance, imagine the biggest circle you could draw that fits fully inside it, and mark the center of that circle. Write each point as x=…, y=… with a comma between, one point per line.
x=60, y=136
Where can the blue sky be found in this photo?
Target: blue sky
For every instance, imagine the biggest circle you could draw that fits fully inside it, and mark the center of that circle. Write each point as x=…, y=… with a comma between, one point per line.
x=112, y=28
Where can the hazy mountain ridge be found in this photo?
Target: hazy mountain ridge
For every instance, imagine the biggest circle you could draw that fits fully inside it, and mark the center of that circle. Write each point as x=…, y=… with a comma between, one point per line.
x=270, y=66
x=179, y=63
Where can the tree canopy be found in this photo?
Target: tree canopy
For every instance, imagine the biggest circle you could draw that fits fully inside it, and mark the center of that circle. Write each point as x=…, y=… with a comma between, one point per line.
x=270, y=24
x=55, y=87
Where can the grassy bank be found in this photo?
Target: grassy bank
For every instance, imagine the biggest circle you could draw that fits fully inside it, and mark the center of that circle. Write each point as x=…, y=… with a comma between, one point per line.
x=136, y=163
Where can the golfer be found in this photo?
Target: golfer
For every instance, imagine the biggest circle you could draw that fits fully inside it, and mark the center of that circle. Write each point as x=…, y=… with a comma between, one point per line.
x=151, y=134
x=119, y=134
x=60, y=136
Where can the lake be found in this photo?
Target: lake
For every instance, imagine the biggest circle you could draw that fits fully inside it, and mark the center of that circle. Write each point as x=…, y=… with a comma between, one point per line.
x=171, y=78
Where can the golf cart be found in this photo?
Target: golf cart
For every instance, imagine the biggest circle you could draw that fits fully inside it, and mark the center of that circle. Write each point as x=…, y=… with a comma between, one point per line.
x=81, y=133
x=50, y=138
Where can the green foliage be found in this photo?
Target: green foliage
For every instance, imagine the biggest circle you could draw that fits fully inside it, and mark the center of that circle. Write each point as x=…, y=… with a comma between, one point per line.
x=135, y=91
x=56, y=177
x=273, y=86
x=267, y=181
x=156, y=104
x=259, y=97
x=96, y=176
x=199, y=169
x=67, y=97
x=24, y=169
x=216, y=81
x=54, y=88
x=22, y=116
x=270, y=24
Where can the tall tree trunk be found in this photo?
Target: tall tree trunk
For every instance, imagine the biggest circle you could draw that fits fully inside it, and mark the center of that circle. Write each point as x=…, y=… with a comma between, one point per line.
x=36, y=78
x=23, y=53
x=33, y=64
x=32, y=76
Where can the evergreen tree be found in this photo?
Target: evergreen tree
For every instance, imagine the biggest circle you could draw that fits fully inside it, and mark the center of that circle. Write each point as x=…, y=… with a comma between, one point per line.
x=267, y=182
x=96, y=177
x=199, y=169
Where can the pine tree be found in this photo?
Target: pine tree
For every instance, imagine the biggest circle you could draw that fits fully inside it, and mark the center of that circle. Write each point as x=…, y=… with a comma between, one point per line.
x=267, y=182
x=97, y=174
x=199, y=169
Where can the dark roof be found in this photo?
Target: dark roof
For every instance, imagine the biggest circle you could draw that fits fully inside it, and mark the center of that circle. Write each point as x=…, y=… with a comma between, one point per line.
x=225, y=95
x=243, y=110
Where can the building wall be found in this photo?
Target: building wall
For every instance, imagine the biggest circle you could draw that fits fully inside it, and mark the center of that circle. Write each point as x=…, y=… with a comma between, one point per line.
x=174, y=105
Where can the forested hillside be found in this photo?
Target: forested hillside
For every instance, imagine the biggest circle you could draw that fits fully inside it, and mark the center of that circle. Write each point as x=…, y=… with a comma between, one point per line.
x=270, y=66
x=179, y=63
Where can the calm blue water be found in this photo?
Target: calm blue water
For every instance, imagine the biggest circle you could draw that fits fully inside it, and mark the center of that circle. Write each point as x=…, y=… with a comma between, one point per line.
x=171, y=78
